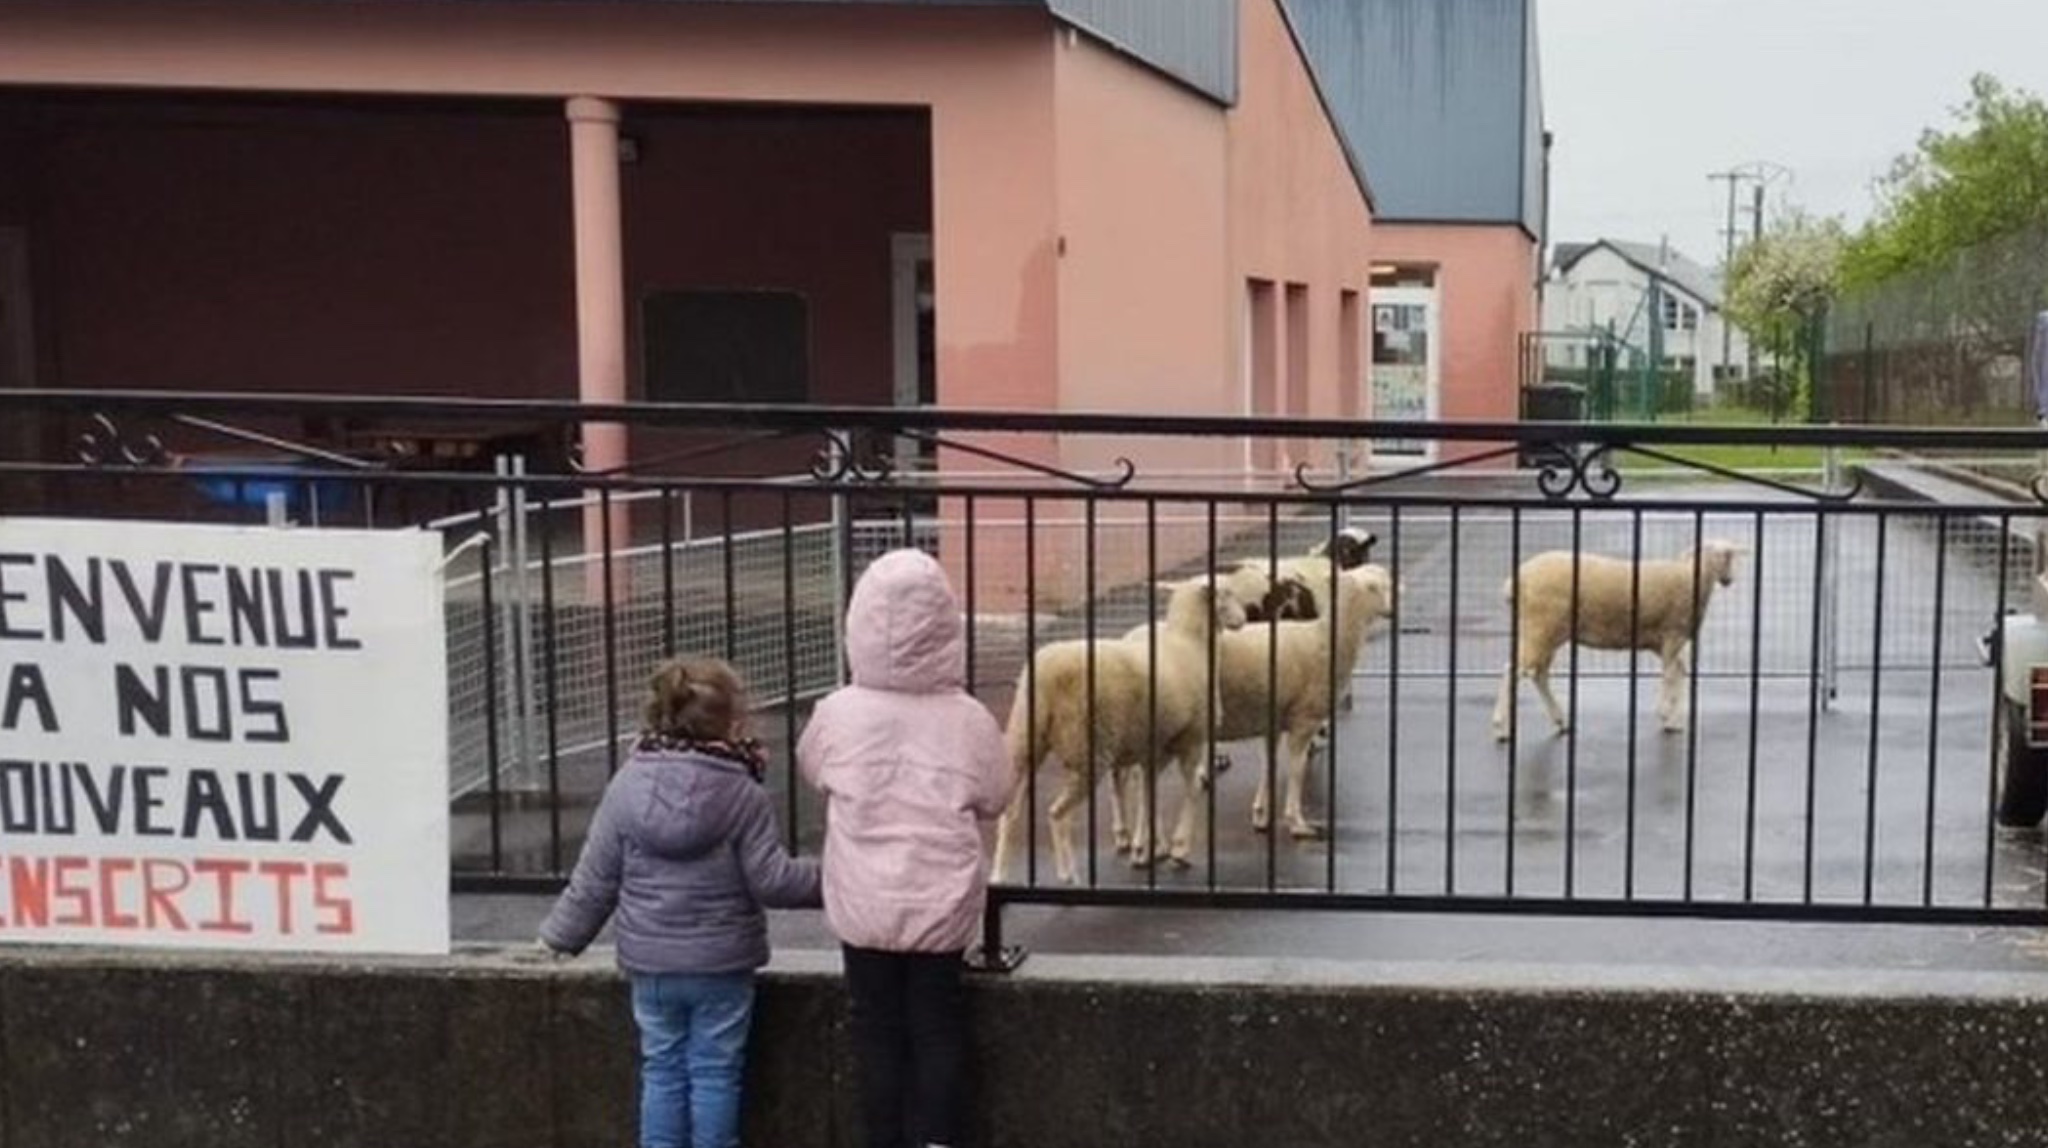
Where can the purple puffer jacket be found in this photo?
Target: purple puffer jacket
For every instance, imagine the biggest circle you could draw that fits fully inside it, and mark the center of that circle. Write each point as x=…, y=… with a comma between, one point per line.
x=684, y=847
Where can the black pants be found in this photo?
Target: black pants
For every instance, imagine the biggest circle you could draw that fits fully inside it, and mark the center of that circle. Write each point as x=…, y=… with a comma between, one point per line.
x=910, y=1038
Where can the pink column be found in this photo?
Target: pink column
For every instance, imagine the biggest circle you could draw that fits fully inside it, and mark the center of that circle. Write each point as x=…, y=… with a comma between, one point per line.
x=600, y=308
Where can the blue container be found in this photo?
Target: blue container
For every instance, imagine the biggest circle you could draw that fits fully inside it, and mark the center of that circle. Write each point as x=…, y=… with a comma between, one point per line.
x=248, y=486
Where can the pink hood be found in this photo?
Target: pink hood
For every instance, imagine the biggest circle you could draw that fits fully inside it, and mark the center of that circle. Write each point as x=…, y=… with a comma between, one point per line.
x=910, y=766
x=903, y=627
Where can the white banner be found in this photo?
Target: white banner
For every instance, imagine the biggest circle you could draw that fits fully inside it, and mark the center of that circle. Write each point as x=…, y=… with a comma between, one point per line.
x=222, y=737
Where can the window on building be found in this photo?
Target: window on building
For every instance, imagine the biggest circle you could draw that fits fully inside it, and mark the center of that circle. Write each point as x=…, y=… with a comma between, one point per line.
x=1680, y=315
x=1294, y=400
x=1350, y=354
x=726, y=347
x=1262, y=366
x=1403, y=275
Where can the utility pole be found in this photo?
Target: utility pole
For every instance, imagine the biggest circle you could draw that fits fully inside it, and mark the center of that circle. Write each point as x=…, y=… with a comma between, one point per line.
x=1756, y=236
x=1760, y=174
x=1733, y=177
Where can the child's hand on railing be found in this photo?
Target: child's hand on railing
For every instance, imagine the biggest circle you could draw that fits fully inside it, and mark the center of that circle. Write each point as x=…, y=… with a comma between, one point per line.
x=540, y=952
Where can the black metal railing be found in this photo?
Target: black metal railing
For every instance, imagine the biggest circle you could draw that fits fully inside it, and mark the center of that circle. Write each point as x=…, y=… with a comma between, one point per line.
x=1835, y=752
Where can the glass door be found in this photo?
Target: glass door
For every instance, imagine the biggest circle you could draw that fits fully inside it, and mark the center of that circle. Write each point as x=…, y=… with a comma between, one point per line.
x=1406, y=366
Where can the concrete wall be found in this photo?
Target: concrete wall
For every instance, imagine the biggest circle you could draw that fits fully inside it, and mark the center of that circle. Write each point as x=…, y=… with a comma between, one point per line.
x=108, y=1051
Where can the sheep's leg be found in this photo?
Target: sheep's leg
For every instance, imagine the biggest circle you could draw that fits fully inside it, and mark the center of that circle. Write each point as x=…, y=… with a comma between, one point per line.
x=1059, y=816
x=1006, y=836
x=1261, y=819
x=1320, y=737
x=1144, y=798
x=1298, y=824
x=1540, y=674
x=1671, y=703
x=1182, y=850
x=1503, y=702
x=1119, y=828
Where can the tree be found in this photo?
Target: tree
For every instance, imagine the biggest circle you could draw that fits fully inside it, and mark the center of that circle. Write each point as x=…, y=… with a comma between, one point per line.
x=1947, y=276
x=1778, y=289
x=1958, y=189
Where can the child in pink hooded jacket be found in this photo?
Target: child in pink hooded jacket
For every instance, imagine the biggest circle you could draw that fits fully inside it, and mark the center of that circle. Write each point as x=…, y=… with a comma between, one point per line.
x=911, y=767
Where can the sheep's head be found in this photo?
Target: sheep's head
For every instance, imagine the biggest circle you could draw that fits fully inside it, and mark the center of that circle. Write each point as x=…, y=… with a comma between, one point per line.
x=1225, y=610
x=1379, y=589
x=1285, y=599
x=1717, y=560
x=1266, y=597
x=1349, y=549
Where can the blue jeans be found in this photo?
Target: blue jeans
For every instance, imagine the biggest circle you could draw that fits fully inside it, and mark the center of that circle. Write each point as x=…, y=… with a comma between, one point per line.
x=693, y=1046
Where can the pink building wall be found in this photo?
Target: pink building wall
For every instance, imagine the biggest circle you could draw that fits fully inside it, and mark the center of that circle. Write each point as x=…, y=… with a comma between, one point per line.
x=1298, y=216
x=984, y=74
x=211, y=248
x=1168, y=205
x=1095, y=226
x=1486, y=292
x=1144, y=219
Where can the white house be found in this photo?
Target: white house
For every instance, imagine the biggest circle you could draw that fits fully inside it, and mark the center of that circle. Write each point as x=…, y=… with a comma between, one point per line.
x=1653, y=298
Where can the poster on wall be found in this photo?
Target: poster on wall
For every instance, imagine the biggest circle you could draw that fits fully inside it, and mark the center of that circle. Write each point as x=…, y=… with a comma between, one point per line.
x=222, y=737
x=1400, y=372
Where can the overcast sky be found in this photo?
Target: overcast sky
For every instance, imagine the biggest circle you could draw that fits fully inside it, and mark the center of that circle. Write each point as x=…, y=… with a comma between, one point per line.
x=1648, y=96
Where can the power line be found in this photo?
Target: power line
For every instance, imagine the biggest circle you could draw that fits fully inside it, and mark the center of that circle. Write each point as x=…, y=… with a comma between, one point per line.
x=1760, y=173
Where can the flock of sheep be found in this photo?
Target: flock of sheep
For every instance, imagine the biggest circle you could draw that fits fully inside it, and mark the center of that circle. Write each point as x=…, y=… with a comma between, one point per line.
x=1277, y=678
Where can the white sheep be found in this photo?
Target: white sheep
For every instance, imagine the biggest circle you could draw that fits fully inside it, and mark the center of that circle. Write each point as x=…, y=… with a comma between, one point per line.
x=1667, y=619
x=1276, y=680
x=1137, y=716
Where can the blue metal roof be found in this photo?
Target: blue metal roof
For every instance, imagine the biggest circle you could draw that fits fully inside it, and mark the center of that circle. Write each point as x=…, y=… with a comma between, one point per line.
x=1440, y=99
x=1195, y=41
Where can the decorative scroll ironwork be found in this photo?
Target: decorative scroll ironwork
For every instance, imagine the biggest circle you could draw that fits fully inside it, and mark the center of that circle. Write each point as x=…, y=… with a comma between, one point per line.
x=845, y=457
x=273, y=442
x=1566, y=470
x=1569, y=469
x=102, y=443
x=1847, y=494
x=1303, y=480
x=1126, y=469
x=2039, y=485
x=670, y=459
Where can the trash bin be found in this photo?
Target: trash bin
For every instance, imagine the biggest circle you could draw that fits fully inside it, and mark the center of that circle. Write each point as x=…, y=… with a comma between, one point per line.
x=1554, y=402
x=1550, y=402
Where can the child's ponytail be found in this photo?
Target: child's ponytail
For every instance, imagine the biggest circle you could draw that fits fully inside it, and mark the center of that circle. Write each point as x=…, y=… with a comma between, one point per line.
x=695, y=699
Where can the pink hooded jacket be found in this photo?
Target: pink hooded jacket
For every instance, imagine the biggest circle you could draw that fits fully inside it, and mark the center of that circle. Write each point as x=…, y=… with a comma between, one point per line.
x=910, y=766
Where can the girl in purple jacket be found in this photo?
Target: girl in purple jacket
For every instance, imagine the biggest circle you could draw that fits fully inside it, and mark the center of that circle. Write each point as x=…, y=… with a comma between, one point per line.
x=911, y=767
x=684, y=849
